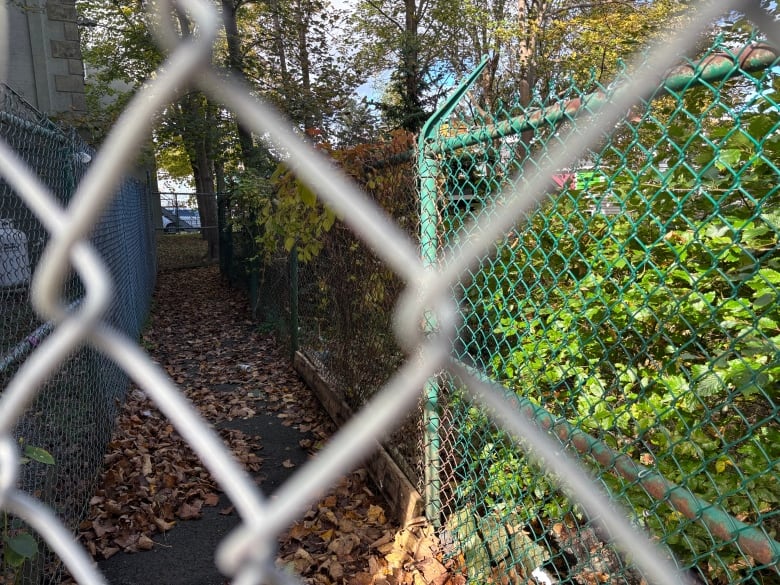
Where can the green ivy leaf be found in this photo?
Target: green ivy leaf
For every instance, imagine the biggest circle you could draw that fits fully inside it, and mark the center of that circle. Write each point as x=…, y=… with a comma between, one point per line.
x=328, y=220
x=728, y=158
x=306, y=195
x=764, y=300
x=23, y=544
x=13, y=559
x=38, y=454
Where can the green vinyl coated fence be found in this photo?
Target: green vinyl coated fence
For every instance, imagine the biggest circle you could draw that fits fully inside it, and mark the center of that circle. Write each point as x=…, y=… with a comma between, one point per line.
x=634, y=315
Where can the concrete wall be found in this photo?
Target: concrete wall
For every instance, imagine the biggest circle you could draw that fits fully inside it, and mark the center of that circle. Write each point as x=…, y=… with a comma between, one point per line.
x=45, y=64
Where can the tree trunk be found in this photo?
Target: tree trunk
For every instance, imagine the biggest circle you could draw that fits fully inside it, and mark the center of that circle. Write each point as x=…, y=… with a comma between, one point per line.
x=302, y=18
x=412, y=82
x=279, y=43
x=529, y=20
x=207, y=201
x=197, y=123
x=249, y=152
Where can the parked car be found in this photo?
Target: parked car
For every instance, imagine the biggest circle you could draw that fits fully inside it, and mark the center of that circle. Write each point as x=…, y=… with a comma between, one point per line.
x=169, y=226
x=179, y=219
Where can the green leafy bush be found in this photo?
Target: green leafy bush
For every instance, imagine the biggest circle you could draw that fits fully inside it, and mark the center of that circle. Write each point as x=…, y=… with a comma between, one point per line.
x=282, y=212
x=18, y=545
x=656, y=330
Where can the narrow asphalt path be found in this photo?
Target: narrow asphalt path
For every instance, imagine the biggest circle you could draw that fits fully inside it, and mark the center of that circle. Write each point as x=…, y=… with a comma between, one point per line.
x=158, y=516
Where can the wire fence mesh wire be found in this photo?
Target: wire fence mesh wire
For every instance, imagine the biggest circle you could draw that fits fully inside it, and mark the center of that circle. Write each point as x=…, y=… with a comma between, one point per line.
x=345, y=295
x=245, y=553
x=180, y=237
x=631, y=308
x=73, y=415
x=634, y=313
x=179, y=211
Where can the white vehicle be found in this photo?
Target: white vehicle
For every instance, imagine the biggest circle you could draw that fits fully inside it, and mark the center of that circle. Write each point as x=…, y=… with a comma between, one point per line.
x=179, y=219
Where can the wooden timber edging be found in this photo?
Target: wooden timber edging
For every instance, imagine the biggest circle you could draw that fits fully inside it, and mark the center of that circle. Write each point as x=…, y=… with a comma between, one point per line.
x=405, y=501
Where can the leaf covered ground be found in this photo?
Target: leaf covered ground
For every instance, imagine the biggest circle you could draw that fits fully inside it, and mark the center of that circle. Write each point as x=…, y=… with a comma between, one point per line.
x=153, y=485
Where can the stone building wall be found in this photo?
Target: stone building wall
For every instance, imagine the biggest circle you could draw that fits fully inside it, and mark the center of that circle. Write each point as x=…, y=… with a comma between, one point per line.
x=45, y=64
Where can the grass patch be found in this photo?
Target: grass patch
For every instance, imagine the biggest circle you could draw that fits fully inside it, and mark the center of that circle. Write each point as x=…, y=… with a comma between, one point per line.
x=185, y=250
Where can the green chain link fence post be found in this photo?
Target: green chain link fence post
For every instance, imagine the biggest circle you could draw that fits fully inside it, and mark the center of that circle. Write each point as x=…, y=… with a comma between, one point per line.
x=293, y=301
x=428, y=171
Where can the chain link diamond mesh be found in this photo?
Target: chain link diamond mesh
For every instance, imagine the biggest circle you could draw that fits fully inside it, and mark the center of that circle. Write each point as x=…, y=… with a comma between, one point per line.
x=632, y=313
x=623, y=280
x=73, y=414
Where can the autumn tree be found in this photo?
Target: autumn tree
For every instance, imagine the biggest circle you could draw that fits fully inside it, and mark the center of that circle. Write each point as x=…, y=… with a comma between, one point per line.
x=281, y=48
x=402, y=36
x=121, y=55
x=292, y=56
x=531, y=44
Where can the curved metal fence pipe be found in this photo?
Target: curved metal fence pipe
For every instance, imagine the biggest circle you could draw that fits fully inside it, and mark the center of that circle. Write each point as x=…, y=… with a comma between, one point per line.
x=642, y=83
x=752, y=541
x=430, y=323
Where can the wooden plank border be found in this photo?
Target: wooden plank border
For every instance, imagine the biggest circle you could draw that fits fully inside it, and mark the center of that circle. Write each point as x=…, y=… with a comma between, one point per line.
x=405, y=501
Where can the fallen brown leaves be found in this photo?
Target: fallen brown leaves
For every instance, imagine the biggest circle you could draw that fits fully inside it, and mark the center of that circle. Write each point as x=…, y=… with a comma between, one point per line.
x=347, y=539
x=152, y=480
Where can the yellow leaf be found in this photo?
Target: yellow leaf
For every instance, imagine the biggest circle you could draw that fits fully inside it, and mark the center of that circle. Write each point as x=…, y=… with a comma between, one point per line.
x=281, y=169
x=396, y=559
x=328, y=220
x=376, y=514
x=306, y=195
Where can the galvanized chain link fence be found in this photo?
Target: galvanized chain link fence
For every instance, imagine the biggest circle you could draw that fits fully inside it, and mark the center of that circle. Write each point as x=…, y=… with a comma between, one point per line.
x=583, y=334
x=73, y=414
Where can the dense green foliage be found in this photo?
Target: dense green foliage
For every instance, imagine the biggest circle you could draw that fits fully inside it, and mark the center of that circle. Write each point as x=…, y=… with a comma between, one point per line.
x=655, y=328
x=17, y=544
x=282, y=212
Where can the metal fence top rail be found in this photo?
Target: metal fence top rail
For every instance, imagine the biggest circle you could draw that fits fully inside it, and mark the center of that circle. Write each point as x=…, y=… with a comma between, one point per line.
x=712, y=68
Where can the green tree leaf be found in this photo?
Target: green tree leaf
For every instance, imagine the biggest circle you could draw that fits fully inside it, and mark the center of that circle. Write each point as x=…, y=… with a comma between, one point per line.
x=307, y=196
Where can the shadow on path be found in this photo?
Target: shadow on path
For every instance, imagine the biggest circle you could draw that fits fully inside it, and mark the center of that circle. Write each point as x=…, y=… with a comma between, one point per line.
x=185, y=555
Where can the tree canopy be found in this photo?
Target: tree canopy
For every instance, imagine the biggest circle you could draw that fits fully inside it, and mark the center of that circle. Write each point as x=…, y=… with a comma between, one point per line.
x=308, y=58
x=531, y=43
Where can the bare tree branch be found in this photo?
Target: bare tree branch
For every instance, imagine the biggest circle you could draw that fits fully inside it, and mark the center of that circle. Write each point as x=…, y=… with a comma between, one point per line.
x=585, y=5
x=379, y=9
